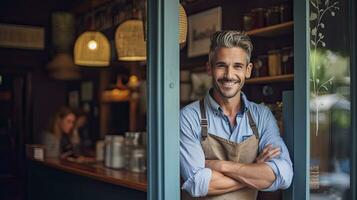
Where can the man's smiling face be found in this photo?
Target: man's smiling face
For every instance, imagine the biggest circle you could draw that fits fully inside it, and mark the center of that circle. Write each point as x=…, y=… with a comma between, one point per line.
x=229, y=70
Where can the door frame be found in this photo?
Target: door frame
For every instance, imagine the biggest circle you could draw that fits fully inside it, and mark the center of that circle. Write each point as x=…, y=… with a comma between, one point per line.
x=163, y=100
x=301, y=146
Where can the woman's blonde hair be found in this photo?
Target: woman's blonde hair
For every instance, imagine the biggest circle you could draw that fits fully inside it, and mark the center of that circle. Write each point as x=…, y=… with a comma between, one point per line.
x=54, y=126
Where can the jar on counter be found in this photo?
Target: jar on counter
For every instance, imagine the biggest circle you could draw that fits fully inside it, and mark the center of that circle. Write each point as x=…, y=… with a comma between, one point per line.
x=272, y=16
x=274, y=62
x=287, y=58
x=131, y=142
x=258, y=15
x=137, y=160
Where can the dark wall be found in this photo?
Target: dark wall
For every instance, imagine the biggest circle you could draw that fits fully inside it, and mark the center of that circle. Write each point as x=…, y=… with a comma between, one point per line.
x=48, y=96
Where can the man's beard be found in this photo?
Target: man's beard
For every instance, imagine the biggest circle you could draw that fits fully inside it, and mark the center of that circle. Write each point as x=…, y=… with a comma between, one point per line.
x=220, y=82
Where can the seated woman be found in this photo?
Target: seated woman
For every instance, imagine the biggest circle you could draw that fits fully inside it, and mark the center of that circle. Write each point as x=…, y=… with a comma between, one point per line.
x=57, y=138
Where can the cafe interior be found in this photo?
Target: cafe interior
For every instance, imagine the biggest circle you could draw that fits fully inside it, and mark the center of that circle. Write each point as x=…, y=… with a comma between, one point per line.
x=91, y=57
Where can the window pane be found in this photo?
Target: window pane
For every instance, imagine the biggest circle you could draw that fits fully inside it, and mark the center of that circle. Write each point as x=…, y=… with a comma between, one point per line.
x=330, y=117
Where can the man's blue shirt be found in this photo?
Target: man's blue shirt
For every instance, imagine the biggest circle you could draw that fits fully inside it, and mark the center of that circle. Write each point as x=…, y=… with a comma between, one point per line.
x=192, y=160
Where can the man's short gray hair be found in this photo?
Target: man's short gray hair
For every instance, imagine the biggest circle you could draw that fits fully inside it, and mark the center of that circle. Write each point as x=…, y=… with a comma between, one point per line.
x=230, y=39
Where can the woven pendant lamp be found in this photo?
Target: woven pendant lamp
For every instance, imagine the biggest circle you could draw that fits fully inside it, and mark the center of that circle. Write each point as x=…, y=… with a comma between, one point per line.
x=92, y=49
x=62, y=67
x=130, y=42
x=182, y=25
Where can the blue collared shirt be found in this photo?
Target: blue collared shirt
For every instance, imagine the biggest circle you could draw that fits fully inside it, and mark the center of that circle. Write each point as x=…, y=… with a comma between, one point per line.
x=192, y=160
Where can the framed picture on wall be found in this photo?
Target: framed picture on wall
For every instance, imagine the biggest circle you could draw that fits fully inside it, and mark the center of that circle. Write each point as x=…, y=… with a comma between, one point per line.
x=200, y=27
x=22, y=36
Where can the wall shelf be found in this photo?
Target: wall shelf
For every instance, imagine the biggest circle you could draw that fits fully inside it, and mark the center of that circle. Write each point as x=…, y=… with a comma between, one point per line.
x=274, y=30
x=270, y=79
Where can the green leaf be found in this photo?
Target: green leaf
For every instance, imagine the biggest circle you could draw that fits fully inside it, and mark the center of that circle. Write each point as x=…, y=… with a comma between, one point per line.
x=313, y=31
x=313, y=16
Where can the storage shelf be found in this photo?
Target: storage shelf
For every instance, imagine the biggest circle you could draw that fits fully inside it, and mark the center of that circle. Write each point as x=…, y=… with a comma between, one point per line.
x=271, y=79
x=274, y=30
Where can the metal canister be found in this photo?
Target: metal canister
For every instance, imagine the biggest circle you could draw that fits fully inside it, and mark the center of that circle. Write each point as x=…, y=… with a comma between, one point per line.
x=118, y=154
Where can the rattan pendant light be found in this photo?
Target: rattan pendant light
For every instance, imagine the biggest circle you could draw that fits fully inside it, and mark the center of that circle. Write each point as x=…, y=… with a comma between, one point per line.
x=92, y=49
x=61, y=66
x=130, y=42
x=182, y=25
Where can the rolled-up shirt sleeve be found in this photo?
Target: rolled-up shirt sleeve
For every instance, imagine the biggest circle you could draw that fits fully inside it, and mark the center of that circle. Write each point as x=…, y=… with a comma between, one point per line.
x=192, y=160
x=282, y=165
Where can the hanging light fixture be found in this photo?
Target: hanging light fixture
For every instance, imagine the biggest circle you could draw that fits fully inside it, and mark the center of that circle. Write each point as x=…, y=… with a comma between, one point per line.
x=92, y=48
x=130, y=41
x=182, y=25
x=62, y=67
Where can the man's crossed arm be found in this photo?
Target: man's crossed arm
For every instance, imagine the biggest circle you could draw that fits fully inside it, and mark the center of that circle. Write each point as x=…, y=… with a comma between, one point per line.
x=228, y=176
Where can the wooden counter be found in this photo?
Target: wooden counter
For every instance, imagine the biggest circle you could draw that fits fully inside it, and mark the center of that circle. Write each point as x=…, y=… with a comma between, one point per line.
x=99, y=172
x=57, y=180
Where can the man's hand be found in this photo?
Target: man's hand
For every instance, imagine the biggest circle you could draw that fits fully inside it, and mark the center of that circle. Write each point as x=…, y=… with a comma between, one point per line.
x=268, y=153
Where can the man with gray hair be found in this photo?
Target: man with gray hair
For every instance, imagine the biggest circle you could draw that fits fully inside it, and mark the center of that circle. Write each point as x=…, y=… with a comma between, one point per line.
x=230, y=147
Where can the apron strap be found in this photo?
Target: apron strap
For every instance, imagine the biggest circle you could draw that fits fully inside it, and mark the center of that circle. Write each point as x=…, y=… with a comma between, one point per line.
x=252, y=124
x=204, y=122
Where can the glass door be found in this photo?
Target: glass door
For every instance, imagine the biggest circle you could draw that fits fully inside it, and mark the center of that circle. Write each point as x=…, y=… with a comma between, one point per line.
x=330, y=100
x=324, y=100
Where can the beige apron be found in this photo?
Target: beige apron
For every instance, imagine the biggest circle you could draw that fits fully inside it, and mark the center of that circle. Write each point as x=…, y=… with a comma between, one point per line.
x=217, y=148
